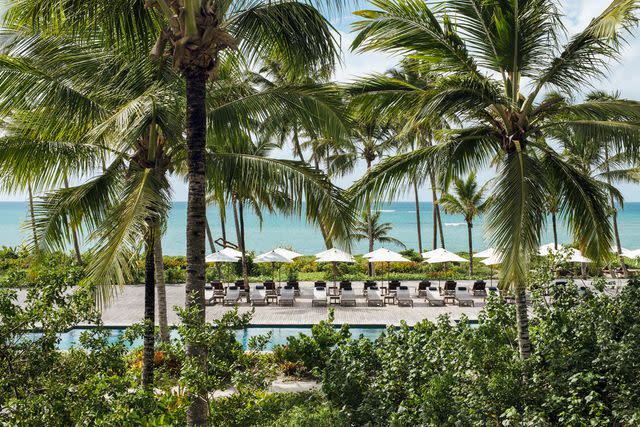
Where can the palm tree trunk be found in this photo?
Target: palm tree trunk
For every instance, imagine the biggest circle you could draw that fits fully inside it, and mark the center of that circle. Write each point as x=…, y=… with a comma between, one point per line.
x=555, y=230
x=434, y=198
x=74, y=234
x=614, y=215
x=437, y=219
x=212, y=245
x=236, y=218
x=370, y=227
x=223, y=224
x=196, y=78
x=33, y=219
x=440, y=226
x=149, y=311
x=469, y=229
x=415, y=193
x=245, y=270
x=522, y=320
x=160, y=288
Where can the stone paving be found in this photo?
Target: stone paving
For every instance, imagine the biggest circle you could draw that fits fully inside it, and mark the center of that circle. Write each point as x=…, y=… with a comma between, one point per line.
x=127, y=308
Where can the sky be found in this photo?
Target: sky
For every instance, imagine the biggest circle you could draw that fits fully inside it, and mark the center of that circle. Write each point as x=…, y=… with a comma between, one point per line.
x=578, y=14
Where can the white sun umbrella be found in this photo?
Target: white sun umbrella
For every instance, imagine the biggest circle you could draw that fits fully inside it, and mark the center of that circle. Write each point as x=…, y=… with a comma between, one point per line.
x=435, y=252
x=495, y=259
x=385, y=255
x=633, y=253
x=444, y=256
x=273, y=257
x=549, y=249
x=217, y=257
x=334, y=256
x=287, y=253
x=220, y=257
x=576, y=256
x=448, y=257
x=231, y=252
x=487, y=253
x=625, y=252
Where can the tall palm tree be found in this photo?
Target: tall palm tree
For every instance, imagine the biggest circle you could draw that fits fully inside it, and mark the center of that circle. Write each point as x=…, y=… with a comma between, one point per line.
x=137, y=123
x=370, y=140
x=199, y=32
x=100, y=112
x=468, y=201
x=372, y=227
x=485, y=50
x=606, y=162
x=422, y=135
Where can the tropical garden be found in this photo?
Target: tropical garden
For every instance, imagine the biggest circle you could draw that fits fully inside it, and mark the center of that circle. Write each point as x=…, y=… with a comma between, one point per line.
x=102, y=103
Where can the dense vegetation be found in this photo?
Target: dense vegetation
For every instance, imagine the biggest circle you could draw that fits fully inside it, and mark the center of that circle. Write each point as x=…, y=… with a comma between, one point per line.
x=584, y=368
x=115, y=97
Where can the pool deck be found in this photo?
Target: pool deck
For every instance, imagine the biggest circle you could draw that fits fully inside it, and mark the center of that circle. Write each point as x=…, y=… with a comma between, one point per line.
x=127, y=308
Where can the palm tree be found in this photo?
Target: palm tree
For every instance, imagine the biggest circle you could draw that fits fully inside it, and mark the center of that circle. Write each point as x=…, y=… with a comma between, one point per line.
x=137, y=126
x=369, y=142
x=420, y=136
x=124, y=120
x=372, y=227
x=484, y=51
x=199, y=33
x=605, y=161
x=468, y=202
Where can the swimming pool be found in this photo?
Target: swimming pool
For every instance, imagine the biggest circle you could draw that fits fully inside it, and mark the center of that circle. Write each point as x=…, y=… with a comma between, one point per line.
x=279, y=334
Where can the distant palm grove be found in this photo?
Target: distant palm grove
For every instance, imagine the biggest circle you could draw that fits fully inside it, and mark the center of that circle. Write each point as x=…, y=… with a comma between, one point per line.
x=103, y=102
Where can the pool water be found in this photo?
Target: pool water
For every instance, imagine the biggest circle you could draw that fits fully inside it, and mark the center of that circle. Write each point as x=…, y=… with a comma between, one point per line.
x=279, y=334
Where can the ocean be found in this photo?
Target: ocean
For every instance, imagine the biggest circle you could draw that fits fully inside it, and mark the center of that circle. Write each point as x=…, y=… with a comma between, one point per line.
x=294, y=233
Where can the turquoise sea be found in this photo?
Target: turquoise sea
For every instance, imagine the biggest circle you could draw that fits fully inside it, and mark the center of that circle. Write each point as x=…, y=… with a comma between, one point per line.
x=278, y=230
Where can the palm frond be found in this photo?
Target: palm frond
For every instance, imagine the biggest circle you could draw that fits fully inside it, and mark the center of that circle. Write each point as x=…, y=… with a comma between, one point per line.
x=144, y=200
x=583, y=205
x=515, y=219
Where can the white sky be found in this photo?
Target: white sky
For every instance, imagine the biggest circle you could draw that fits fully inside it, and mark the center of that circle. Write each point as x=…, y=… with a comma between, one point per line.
x=578, y=14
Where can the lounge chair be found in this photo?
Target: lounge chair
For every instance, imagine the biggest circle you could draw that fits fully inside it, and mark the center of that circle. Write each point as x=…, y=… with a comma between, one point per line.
x=479, y=288
x=258, y=295
x=462, y=297
x=393, y=287
x=287, y=296
x=319, y=296
x=449, y=286
x=216, y=294
x=423, y=287
x=232, y=297
x=403, y=296
x=344, y=284
x=295, y=285
x=368, y=284
x=348, y=297
x=208, y=297
x=432, y=298
x=373, y=297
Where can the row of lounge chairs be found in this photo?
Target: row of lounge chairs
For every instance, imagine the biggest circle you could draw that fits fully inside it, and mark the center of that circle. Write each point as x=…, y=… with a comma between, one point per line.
x=396, y=292
x=258, y=295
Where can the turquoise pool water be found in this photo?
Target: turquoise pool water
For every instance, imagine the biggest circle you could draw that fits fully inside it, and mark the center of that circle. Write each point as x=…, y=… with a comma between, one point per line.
x=279, y=334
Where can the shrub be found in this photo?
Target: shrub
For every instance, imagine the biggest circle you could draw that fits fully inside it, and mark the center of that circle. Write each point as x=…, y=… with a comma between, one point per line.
x=257, y=408
x=313, y=351
x=584, y=369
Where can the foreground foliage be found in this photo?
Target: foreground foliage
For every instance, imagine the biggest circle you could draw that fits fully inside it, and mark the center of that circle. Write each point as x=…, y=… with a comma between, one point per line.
x=584, y=368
